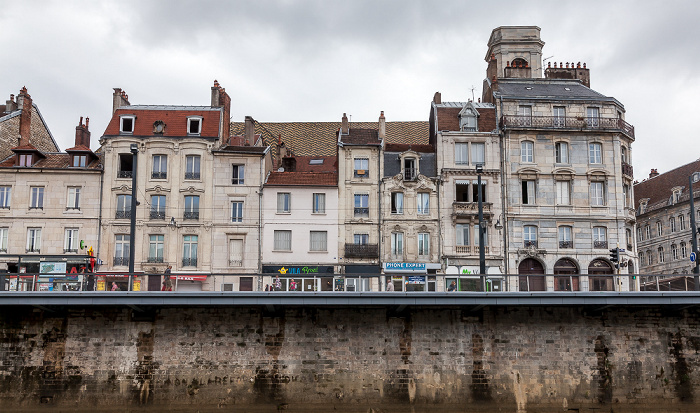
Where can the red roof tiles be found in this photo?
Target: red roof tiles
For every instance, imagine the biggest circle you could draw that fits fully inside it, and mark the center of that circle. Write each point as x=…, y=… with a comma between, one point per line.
x=303, y=179
x=175, y=121
x=658, y=188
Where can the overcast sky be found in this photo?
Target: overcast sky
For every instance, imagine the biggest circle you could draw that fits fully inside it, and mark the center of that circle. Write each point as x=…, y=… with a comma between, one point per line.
x=314, y=60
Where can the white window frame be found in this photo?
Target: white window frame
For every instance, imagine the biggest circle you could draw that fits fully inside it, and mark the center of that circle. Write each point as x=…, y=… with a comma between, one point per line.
x=527, y=152
x=3, y=238
x=71, y=240
x=559, y=116
x=461, y=153
x=561, y=152
x=192, y=119
x=525, y=111
x=478, y=153
x=190, y=247
x=397, y=245
x=595, y=153
x=156, y=243
x=284, y=202
x=565, y=233
x=600, y=234
x=235, y=252
x=193, y=165
x=530, y=186
x=530, y=233
x=593, y=116
x=319, y=203
x=282, y=240
x=33, y=240
x=360, y=197
x=423, y=203
x=37, y=197
x=122, y=244
x=597, y=193
x=462, y=234
x=361, y=167
x=238, y=174
x=5, y=197
x=236, y=211
x=122, y=118
x=318, y=241
x=396, y=206
x=160, y=166
x=73, y=197
x=424, y=244
x=563, y=192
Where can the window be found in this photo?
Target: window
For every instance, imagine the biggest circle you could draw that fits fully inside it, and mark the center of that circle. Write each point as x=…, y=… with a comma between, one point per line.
x=475, y=191
x=126, y=165
x=650, y=257
x=189, y=251
x=563, y=192
x=237, y=211
x=659, y=228
x=641, y=258
x=626, y=195
x=623, y=154
x=191, y=207
x=530, y=236
x=194, y=125
x=674, y=252
x=595, y=153
x=592, y=117
x=123, y=207
x=319, y=206
x=238, y=177
x=397, y=202
x=34, y=240
x=647, y=232
x=476, y=236
x=423, y=244
x=126, y=124
x=639, y=234
x=468, y=121
x=3, y=239
x=160, y=167
x=597, y=197
x=559, y=116
x=561, y=152
x=681, y=222
x=461, y=153
x=283, y=202
x=410, y=172
x=462, y=231
x=565, y=237
x=662, y=259
x=79, y=161
x=37, y=200
x=361, y=167
x=478, y=154
x=283, y=240
x=235, y=252
x=121, y=250
x=528, y=192
x=25, y=159
x=319, y=240
x=361, y=239
x=192, y=165
x=600, y=237
x=628, y=238
x=361, y=205
x=73, y=197
x=71, y=240
x=157, y=207
x=397, y=245
x=672, y=224
x=5, y=192
x=526, y=115
x=526, y=151
x=155, y=248
x=684, y=251
x=423, y=199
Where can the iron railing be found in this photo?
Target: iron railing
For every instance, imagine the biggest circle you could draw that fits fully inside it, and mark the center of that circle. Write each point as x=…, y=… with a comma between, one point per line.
x=124, y=174
x=189, y=262
x=191, y=175
x=627, y=169
x=157, y=215
x=532, y=243
x=121, y=261
x=154, y=260
x=123, y=215
x=600, y=244
x=566, y=244
x=159, y=175
x=194, y=215
x=361, y=251
x=569, y=122
x=361, y=212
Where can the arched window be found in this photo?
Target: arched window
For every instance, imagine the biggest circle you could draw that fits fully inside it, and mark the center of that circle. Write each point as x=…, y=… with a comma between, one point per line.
x=650, y=257
x=683, y=250
x=659, y=228
x=674, y=251
x=661, y=255
x=672, y=224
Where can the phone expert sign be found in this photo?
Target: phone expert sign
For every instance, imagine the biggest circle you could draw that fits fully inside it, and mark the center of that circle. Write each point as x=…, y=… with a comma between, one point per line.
x=390, y=267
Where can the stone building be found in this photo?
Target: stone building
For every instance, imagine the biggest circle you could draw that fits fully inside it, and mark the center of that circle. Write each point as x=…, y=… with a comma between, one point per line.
x=566, y=166
x=664, y=231
x=466, y=135
x=49, y=206
x=198, y=192
x=19, y=118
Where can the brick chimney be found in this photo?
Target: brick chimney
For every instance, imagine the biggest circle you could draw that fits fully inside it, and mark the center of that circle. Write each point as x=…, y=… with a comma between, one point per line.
x=119, y=99
x=344, y=127
x=10, y=105
x=221, y=99
x=437, y=98
x=382, y=126
x=24, y=103
x=82, y=133
x=249, y=130
x=653, y=173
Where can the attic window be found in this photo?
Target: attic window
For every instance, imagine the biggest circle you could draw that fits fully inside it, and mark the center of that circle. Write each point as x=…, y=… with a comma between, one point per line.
x=316, y=162
x=467, y=121
x=158, y=127
x=696, y=177
x=79, y=161
x=567, y=89
x=194, y=125
x=528, y=87
x=126, y=124
x=25, y=159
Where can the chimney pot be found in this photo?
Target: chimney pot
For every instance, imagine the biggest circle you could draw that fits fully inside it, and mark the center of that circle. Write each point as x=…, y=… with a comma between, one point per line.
x=584, y=65
x=382, y=127
x=345, y=127
x=437, y=97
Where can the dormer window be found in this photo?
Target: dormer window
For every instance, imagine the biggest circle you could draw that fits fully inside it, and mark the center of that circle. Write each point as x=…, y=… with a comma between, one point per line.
x=79, y=161
x=467, y=121
x=126, y=124
x=410, y=170
x=194, y=125
x=25, y=159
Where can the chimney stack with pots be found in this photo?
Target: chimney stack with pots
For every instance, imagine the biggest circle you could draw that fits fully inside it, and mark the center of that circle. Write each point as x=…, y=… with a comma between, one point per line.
x=221, y=99
x=82, y=133
x=249, y=130
x=653, y=173
x=119, y=99
x=344, y=128
x=10, y=105
x=382, y=126
x=24, y=103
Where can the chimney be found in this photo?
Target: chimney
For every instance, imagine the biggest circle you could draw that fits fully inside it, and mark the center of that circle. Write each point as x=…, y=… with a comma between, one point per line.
x=653, y=173
x=82, y=133
x=437, y=98
x=249, y=130
x=24, y=103
x=119, y=99
x=344, y=128
x=382, y=126
x=10, y=105
x=221, y=99
x=215, y=94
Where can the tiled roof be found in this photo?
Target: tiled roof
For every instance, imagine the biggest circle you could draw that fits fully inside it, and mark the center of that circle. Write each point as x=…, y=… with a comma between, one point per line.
x=448, y=116
x=174, y=118
x=548, y=88
x=79, y=148
x=321, y=138
x=402, y=147
x=358, y=136
x=658, y=188
x=328, y=164
x=39, y=135
x=303, y=179
x=51, y=161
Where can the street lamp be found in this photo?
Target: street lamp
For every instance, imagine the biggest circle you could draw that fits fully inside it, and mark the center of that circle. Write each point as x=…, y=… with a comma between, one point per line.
x=482, y=227
x=132, y=238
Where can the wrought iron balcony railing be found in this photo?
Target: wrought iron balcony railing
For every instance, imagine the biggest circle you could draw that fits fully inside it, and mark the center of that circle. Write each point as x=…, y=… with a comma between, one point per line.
x=530, y=244
x=566, y=244
x=123, y=215
x=410, y=174
x=157, y=214
x=159, y=175
x=235, y=263
x=361, y=212
x=194, y=215
x=70, y=250
x=121, y=261
x=470, y=208
x=191, y=175
x=124, y=174
x=154, y=259
x=569, y=122
x=627, y=169
x=600, y=244
x=361, y=251
x=189, y=262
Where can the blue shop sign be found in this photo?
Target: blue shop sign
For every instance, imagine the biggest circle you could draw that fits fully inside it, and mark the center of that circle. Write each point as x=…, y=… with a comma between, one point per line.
x=416, y=279
x=404, y=267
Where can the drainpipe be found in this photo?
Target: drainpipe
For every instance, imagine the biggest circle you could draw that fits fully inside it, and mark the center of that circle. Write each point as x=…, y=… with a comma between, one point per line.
x=379, y=215
x=99, y=216
x=504, y=187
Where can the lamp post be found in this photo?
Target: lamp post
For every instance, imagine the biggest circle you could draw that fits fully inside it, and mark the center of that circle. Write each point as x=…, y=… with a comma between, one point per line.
x=482, y=228
x=696, y=272
x=132, y=238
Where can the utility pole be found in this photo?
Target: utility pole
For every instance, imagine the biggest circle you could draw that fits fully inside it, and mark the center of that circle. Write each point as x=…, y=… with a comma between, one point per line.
x=482, y=228
x=132, y=238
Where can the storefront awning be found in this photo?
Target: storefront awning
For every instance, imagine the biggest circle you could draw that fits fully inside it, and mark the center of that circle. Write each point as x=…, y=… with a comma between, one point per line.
x=190, y=277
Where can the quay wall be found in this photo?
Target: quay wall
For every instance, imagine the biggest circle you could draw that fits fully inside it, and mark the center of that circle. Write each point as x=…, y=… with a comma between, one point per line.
x=378, y=359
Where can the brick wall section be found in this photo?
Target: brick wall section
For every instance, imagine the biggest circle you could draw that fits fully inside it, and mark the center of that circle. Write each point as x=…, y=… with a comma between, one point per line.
x=498, y=359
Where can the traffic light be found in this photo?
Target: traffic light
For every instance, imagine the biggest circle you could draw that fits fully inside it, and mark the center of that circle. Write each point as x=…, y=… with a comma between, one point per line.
x=615, y=256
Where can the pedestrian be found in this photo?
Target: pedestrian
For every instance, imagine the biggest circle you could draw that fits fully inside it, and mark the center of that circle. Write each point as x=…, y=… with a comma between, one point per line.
x=452, y=287
x=292, y=285
x=389, y=286
x=115, y=287
x=267, y=287
x=167, y=282
x=278, y=283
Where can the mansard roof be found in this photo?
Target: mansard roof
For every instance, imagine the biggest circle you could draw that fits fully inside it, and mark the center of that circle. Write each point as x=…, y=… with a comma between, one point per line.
x=448, y=115
x=52, y=161
x=555, y=89
x=174, y=118
x=302, y=179
x=659, y=188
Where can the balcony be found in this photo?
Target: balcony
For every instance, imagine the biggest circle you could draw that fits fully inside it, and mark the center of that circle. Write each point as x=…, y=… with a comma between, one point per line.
x=361, y=251
x=157, y=215
x=192, y=215
x=158, y=260
x=469, y=249
x=70, y=250
x=121, y=261
x=361, y=212
x=532, y=243
x=566, y=244
x=159, y=175
x=123, y=215
x=568, y=122
x=191, y=175
x=468, y=209
x=124, y=174
x=235, y=263
x=189, y=262
x=410, y=174
x=627, y=169
x=600, y=244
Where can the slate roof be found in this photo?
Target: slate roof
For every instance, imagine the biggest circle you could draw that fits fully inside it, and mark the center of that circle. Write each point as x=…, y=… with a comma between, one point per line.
x=361, y=136
x=448, y=116
x=561, y=89
x=51, y=161
x=402, y=147
x=302, y=179
x=329, y=164
x=174, y=117
x=658, y=189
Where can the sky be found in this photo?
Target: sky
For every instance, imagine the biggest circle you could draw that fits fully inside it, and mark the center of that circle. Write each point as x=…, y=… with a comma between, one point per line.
x=283, y=61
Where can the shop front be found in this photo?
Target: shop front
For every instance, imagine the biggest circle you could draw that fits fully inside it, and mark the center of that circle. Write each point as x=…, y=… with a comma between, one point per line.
x=306, y=278
x=45, y=273
x=468, y=278
x=411, y=276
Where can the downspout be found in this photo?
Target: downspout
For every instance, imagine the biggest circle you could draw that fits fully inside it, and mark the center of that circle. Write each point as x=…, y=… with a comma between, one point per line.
x=260, y=200
x=379, y=215
x=99, y=216
x=504, y=187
